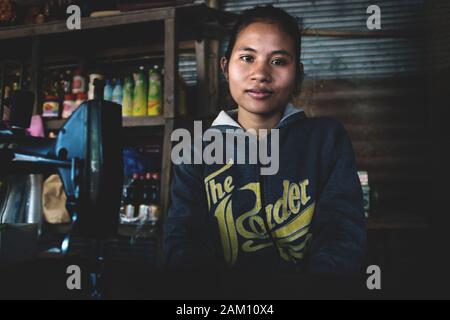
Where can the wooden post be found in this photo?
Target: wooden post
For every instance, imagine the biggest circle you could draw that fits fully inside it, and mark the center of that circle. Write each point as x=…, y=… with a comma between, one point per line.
x=170, y=99
x=170, y=66
x=203, y=99
x=212, y=69
x=36, y=74
x=213, y=76
x=207, y=57
x=166, y=166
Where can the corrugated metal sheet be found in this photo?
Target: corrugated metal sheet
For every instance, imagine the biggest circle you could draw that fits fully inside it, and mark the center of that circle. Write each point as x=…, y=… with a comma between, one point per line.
x=187, y=67
x=344, y=57
x=341, y=14
x=438, y=34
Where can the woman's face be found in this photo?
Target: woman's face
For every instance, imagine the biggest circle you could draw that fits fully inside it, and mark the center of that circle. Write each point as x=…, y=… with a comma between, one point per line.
x=262, y=67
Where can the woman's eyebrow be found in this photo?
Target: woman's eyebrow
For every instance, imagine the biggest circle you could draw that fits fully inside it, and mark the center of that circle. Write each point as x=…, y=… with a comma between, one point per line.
x=246, y=49
x=282, y=52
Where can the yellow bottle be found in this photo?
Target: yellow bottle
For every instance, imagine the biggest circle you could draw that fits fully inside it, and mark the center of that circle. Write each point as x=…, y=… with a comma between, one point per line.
x=140, y=94
x=154, y=103
x=127, y=98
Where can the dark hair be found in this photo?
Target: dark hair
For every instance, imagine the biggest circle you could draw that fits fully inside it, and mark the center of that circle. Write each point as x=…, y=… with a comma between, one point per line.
x=274, y=15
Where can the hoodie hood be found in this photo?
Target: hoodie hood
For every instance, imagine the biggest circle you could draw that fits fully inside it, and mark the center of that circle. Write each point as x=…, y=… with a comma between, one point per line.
x=228, y=118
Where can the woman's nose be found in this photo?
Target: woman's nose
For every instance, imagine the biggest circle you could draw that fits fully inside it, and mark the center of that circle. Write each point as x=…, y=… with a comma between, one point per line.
x=261, y=72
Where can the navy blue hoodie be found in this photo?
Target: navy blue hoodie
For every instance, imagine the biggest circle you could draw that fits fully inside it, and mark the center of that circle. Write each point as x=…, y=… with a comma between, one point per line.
x=308, y=217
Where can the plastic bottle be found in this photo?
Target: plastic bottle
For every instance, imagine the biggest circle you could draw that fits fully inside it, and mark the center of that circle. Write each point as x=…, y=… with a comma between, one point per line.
x=140, y=94
x=51, y=107
x=78, y=82
x=129, y=201
x=127, y=99
x=91, y=89
x=117, y=92
x=108, y=91
x=144, y=208
x=155, y=207
x=68, y=105
x=154, y=103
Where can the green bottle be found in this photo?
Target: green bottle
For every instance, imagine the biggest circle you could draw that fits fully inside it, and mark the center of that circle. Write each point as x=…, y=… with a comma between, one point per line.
x=140, y=93
x=127, y=98
x=154, y=106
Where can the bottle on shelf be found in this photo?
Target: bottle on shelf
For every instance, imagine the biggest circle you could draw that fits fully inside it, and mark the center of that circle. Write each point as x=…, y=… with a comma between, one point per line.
x=127, y=98
x=155, y=208
x=6, y=101
x=69, y=105
x=117, y=92
x=51, y=107
x=140, y=93
x=92, y=78
x=145, y=206
x=130, y=197
x=154, y=103
x=78, y=82
x=108, y=91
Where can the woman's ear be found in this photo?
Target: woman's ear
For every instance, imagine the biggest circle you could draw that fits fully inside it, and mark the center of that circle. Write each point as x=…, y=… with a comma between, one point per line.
x=224, y=67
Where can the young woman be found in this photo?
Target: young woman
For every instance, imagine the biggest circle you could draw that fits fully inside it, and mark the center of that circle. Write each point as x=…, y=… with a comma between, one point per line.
x=308, y=217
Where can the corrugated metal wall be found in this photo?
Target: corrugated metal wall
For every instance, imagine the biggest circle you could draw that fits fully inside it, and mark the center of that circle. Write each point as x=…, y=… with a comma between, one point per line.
x=187, y=67
x=346, y=57
x=438, y=35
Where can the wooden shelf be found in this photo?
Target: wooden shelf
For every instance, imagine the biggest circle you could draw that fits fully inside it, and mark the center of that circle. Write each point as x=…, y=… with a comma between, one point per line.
x=192, y=13
x=127, y=122
x=114, y=38
x=154, y=121
x=86, y=24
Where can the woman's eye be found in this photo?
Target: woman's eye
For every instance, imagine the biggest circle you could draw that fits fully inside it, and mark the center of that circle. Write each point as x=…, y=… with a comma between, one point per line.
x=247, y=58
x=278, y=62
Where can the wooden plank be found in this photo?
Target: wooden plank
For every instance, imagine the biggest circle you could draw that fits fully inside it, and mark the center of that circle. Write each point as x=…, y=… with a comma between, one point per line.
x=166, y=166
x=36, y=74
x=87, y=23
x=143, y=121
x=127, y=122
x=213, y=76
x=170, y=67
x=202, y=77
x=207, y=52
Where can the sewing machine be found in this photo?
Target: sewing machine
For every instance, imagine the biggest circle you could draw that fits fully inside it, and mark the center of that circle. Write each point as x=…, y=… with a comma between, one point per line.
x=87, y=156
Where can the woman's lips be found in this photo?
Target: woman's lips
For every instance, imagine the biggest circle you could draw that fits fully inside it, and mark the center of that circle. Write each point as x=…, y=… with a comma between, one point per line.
x=259, y=95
